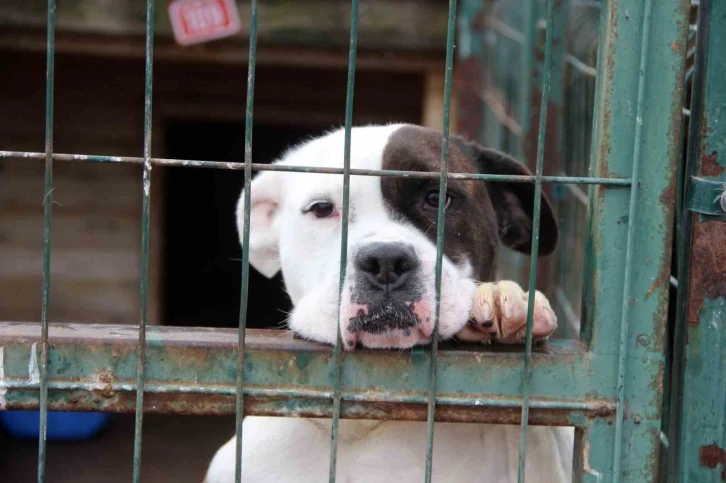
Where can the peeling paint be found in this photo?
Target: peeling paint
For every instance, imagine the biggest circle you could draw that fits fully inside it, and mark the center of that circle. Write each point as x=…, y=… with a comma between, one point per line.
x=710, y=456
x=33, y=372
x=586, y=463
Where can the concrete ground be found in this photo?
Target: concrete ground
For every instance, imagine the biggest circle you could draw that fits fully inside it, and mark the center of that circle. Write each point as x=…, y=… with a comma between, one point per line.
x=175, y=449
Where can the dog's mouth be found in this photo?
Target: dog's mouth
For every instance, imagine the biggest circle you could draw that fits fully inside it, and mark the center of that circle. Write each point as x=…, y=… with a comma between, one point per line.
x=388, y=325
x=386, y=317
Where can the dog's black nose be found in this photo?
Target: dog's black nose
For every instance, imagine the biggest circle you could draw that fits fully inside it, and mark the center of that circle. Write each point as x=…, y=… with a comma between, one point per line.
x=386, y=265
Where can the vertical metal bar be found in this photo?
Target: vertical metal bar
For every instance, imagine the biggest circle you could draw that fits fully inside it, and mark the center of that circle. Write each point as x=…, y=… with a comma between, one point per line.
x=698, y=425
x=541, y=136
x=671, y=382
x=145, y=220
x=619, y=89
x=440, y=226
x=632, y=216
x=47, y=215
x=338, y=351
x=244, y=290
x=595, y=458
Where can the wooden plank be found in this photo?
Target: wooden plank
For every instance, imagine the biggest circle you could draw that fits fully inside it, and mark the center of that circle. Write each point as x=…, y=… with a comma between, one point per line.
x=98, y=231
x=82, y=264
x=71, y=301
x=383, y=24
x=78, y=188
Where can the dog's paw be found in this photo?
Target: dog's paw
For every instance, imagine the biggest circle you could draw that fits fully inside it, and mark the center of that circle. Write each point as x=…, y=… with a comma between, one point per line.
x=499, y=314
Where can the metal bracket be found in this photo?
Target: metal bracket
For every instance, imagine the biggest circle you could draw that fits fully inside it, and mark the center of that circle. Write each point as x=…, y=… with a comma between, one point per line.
x=707, y=196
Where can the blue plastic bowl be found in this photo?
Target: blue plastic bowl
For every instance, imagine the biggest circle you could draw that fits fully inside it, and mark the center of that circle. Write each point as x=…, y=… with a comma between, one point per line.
x=62, y=425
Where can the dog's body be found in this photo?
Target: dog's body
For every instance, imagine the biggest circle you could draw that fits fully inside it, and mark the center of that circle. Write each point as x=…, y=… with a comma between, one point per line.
x=389, y=300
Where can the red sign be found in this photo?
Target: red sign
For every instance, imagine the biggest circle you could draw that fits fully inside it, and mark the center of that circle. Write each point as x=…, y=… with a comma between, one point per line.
x=196, y=21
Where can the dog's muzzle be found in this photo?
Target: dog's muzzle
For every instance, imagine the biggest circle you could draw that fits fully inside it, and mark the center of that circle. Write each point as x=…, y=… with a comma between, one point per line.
x=386, y=287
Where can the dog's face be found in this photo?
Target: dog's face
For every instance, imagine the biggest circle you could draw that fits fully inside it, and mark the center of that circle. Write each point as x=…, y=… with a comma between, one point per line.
x=388, y=298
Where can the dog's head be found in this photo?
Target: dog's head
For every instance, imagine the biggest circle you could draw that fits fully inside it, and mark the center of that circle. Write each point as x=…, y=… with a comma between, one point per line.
x=388, y=297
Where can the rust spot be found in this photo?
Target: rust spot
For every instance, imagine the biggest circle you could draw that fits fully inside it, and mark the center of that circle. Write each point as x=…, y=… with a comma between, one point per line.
x=708, y=265
x=709, y=456
x=224, y=404
x=675, y=46
x=603, y=169
x=107, y=390
x=710, y=166
x=661, y=284
x=668, y=197
x=663, y=279
x=656, y=384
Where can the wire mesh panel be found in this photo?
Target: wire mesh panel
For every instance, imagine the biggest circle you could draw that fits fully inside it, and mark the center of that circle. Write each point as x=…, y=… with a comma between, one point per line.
x=614, y=100
x=601, y=102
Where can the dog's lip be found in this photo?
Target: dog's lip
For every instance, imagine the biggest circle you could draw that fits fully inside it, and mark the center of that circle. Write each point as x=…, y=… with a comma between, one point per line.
x=417, y=335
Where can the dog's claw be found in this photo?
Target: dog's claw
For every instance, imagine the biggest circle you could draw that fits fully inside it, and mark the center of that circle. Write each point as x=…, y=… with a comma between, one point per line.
x=499, y=313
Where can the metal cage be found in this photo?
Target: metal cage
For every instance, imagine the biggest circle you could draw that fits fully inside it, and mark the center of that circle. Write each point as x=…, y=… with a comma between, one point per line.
x=598, y=114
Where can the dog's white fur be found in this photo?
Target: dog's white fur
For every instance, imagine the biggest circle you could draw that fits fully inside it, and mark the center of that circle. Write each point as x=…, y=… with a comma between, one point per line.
x=307, y=250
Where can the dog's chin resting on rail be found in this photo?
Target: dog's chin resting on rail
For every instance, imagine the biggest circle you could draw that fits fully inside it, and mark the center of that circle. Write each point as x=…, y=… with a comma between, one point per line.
x=388, y=300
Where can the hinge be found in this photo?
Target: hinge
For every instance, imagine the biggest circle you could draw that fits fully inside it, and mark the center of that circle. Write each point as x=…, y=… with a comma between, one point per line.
x=706, y=196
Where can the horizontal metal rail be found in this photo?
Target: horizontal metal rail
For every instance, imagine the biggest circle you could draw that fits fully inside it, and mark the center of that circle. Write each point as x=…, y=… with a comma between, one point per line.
x=310, y=169
x=193, y=371
x=506, y=31
x=580, y=66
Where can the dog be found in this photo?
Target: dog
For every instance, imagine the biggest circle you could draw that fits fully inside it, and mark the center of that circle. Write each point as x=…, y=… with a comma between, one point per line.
x=388, y=299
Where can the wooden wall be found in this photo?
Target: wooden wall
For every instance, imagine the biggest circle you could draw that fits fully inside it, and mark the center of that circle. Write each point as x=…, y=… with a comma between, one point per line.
x=97, y=207
x=95, y=235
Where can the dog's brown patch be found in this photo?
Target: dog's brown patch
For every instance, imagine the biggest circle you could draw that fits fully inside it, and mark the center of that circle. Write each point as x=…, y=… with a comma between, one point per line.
x=480, y=214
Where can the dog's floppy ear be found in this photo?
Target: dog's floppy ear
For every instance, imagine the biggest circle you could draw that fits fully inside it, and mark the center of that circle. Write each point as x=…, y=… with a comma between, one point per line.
x=264, y=251
x=514, y=203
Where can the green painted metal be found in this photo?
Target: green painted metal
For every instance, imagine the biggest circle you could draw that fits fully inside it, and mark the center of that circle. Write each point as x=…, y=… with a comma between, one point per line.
x=440, y=226
x=194, y=367
x=634, y=347
x=706, y=196
x=541, y=134
x=668, y=413
x=338, y=351
x=632, y=223
x=244, y=292
x=698, y=404
x=145, y=222
x=47, y=217
x=703, y=437
x=609, y=384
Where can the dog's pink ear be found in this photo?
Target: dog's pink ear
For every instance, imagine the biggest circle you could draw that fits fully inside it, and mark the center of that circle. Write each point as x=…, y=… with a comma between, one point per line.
x=514, y=203
x=264, y=249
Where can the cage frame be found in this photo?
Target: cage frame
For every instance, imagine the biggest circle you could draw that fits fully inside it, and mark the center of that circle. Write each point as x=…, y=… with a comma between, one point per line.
x=607, y=384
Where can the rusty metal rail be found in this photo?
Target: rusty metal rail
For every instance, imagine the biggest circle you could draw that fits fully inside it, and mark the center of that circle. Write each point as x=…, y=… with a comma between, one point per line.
x=193, y=371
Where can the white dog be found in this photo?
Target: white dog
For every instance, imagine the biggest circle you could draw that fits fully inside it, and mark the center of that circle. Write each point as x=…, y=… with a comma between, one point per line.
x=389, y=300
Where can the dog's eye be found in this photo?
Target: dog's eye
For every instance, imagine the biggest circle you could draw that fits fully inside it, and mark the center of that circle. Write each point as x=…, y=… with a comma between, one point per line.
x=432, y=199
x=322, y=209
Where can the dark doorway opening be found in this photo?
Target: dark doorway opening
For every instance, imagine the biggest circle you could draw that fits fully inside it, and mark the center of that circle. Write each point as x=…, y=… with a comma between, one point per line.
x=201, y=250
